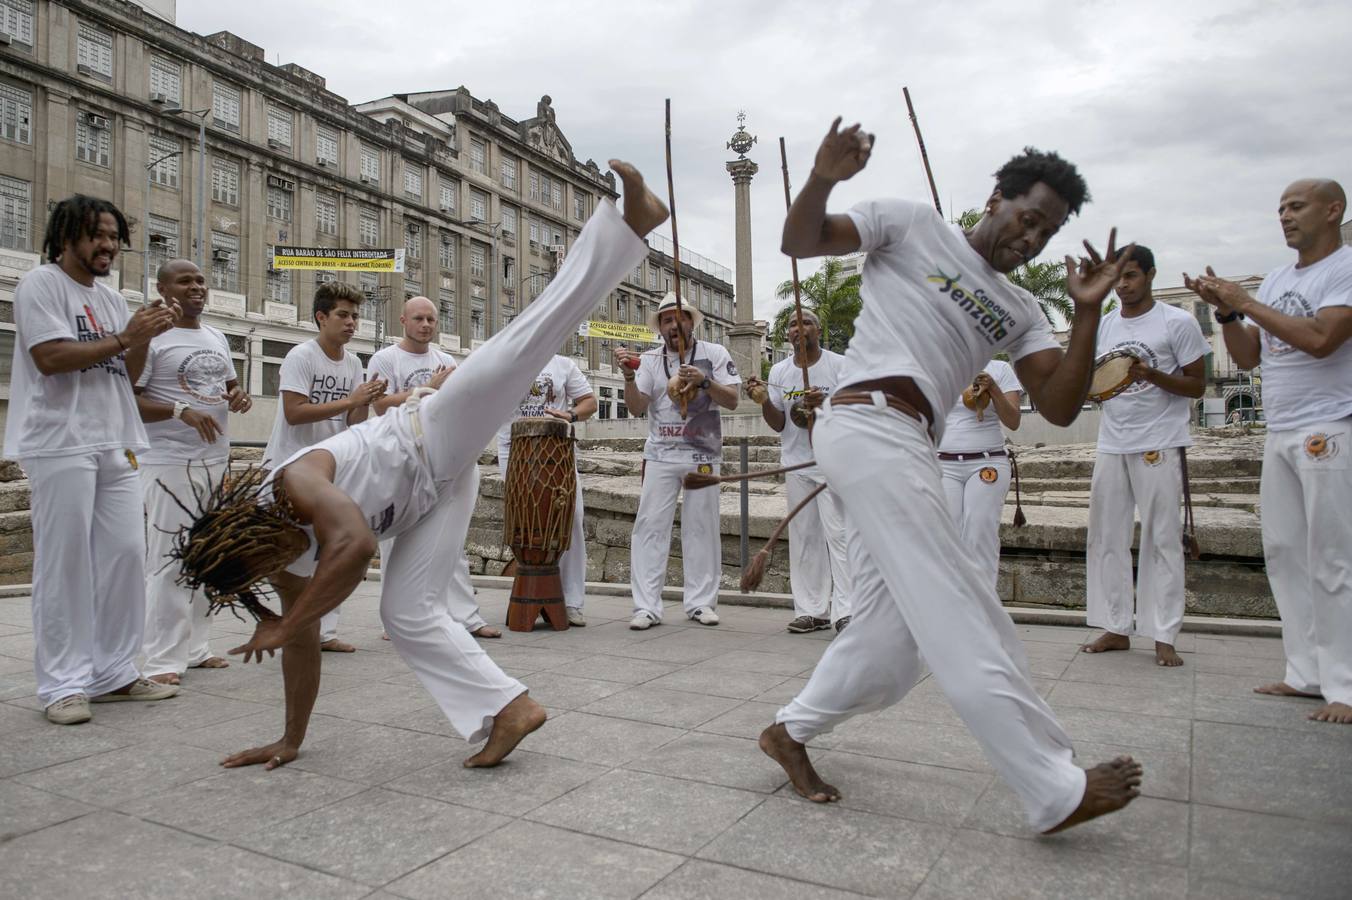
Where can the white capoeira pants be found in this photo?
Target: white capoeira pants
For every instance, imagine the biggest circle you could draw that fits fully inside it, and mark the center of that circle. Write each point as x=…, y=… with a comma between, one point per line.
x=459, y=593
x=817, y=569
x=573, y=563
x=1153, y=484
x=1307, y=543
x=178, y=626
x=650, y=544
x=89, y=587
x=916, y=593
x=976, y=491
x=458, y=421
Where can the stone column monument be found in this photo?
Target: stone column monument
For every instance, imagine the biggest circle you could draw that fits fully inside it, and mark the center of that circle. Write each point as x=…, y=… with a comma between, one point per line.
x=746, y=338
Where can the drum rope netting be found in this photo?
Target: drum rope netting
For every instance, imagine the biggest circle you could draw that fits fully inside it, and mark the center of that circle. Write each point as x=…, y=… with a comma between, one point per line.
x=538, y=498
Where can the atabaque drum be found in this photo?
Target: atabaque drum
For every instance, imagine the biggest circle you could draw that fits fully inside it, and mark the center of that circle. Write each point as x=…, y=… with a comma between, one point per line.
x=537, y=522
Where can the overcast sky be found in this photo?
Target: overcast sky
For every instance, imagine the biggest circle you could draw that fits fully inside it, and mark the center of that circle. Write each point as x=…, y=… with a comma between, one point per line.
x=1187, y=119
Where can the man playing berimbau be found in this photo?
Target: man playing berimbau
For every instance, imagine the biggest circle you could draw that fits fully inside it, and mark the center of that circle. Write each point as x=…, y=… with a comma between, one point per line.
x=313, y=527
x=937, y=307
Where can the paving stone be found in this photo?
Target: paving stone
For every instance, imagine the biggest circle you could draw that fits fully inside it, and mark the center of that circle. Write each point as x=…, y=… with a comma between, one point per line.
x=1160, y=700
x=714, y=759
x=645, y=703
x=649, y=810
x=522, y=782
x=566, y=692
x=677, y=646
x=1261, y=668
x=1133, y=669
x=373, y=837
x=783, y=692
x=893, y=788
x=747, y=720
x=376, y=754
x=831, y=845
x=261, y=686
x=699, y=880
x=121, y=776
x=599, y=739
x=528, y=860
x=1267, y=648
x=166, y=719
x=1266, y=852
x=1167, y=774
x=33, y=749
x=1230, y=698
x=19, y=646
x=754, y=660
x=14, y=719
x=260, y=729
x=1124, y=729
x=533, y=658
x=1304, y=774
x=927, y=743
x=19, y=681
x=718, y=682
x=616, y=668
x=374, y=702
x=24, y=809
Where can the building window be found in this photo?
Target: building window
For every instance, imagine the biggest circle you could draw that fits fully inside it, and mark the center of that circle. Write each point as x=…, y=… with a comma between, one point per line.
x=277, y=283
x=16, y=213
x=166, y=79
x=224, y=261
x=533, y=282
x=508, y=217
x=165, y=155
x=636, y=276
x=225, y=106
x=411, y=289
x=476, y=320
x=16, y=20
x=369, y=285
x=413, y=240
x=279, y=125
x=556, y=195
x=478, y=206
x=580, y=207
x=507, y=172
x=93, y=142
x=478, y=265
x=326, y=214
x=370, y=166
x=446, y=253
x=446, y=304
x=94, y=51
x=450, y=190
x=478, y=156
x=652, y=278
x=225, y=181
x=535, y=186
x=413, y=182
x=622, y=309
x=368, y=229
x=326, y=145
x=279, y=204
x=162, y=239
x=16, y=114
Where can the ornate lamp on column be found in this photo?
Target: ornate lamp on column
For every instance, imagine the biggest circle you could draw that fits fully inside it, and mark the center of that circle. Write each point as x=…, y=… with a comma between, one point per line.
x=745, y=336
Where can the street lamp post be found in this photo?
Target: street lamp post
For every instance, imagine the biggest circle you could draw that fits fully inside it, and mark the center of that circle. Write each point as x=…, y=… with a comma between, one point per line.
x=145, y=226
x=201, y=236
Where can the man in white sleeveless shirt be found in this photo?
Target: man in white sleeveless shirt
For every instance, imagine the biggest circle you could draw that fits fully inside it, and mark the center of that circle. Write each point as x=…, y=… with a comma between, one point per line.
x=1302, y=336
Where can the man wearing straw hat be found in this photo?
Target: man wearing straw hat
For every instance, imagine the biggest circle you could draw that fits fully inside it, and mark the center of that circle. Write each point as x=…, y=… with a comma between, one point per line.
x=684, y=435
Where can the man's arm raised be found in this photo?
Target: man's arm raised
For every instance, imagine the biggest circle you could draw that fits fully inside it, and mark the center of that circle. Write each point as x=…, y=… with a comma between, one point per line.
x=809, y=231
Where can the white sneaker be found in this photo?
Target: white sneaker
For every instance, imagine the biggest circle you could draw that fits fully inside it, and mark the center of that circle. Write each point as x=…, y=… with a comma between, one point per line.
x=575, y=618
x=70, y=710
x=705, y=615
x=141, y=689
x=642, y=621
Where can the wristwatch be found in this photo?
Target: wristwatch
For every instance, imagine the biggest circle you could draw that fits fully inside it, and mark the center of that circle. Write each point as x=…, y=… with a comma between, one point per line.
x=704, y=385
x=179, y=409
x=572, y=417
x=1227, y=319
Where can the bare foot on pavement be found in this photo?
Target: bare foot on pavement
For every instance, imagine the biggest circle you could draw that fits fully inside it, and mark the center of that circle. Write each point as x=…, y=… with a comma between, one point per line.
x=1108, y=641
x=792, y=757
x=512, y=723
x=1107, y=788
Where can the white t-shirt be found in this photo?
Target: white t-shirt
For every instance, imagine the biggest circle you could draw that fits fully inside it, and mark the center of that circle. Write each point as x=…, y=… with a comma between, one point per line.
x=1298, y=389
x=74, y=412
x=405, y=371
x=824, y=373
x=698, y=438
x=1145, y=416
x=963, y=433
x=559, y=386
x=192, y=366
x=934, y=309
x=307, y=370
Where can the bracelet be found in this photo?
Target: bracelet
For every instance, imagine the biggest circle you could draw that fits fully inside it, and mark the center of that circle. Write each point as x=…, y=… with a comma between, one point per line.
x=117, y=337
x=1226, y=320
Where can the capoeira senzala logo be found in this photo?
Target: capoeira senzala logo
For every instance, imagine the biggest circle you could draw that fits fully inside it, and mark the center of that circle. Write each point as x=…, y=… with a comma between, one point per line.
x=203, y=375
x=1320, y=446
x=992, y=321
x=989, y=475
x=1152, y=457
x=1291, y=303
x=1141, y=351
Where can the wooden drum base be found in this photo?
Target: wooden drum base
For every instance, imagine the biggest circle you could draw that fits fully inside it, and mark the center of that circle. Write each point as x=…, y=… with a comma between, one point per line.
x=536, y=591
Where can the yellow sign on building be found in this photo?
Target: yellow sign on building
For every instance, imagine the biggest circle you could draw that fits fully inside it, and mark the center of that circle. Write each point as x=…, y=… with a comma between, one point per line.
x=616, y=331
x=338, y=260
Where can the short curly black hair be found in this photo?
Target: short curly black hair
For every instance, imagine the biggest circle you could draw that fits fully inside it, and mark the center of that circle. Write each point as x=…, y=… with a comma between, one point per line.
x=1143, y=257
x=1017, y=177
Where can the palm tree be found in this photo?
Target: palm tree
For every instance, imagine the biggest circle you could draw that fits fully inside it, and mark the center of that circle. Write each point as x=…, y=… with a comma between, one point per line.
x=1044, y=280
x=834, y=299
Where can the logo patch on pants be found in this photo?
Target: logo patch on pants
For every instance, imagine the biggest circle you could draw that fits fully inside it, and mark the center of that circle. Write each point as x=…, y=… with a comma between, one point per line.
x=1152, y=457
x=705, y=469
x=989, y=475
x=131, y=460
x=1321, y=446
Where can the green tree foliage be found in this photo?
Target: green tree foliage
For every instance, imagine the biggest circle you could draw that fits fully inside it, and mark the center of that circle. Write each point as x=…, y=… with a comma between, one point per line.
x=835, y=300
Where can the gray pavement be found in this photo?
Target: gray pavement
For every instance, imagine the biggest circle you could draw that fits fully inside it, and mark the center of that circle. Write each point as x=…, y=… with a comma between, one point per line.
x=647, y=781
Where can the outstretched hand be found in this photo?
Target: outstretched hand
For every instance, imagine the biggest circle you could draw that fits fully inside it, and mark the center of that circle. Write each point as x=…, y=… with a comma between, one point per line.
x=270, y=636
x=1226, y=296
x=1089, y=281
x=842, y=154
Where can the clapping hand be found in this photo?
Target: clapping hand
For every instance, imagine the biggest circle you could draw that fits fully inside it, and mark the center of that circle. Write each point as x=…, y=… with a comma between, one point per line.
x=842, y=154
x=1089, y=281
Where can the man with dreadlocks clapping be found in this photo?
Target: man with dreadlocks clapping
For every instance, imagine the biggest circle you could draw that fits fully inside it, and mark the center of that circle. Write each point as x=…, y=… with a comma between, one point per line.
x=311, y=527
x=73, y=424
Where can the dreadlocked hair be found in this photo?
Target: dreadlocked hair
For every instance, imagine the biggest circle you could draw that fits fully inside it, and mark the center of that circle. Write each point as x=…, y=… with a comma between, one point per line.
x=78, y=216
x=1018, y=176
x=232, y=545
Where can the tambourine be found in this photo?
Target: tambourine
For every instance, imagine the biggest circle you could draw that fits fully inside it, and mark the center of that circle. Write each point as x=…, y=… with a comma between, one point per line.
x=1112, y=375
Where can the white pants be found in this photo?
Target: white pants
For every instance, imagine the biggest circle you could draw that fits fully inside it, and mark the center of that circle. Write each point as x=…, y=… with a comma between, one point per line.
x=650, y=545
x=89, y=586
x=573, y=563
x=178, y=626
x=976, y=491
x=916, y=593
x=817, y=569
x=458, y=421
x=1307, y=542
x=459, y=592
x=1153, y=484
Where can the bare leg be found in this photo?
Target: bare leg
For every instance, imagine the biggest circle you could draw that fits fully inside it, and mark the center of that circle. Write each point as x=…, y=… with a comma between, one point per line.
x=1333, y=712
x=1282, y=689
x=512, y=723
x=1165, y=655
x=1108, y=641
x=1107, y=788
x=792, y=757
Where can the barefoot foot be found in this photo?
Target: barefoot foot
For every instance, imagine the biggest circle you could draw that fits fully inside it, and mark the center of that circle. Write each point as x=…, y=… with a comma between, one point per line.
x=1107, y=788
x=486, y=631
x=1165, y=655
x=165, y=678
x=1333, y=712
x=1282, y=689
x=211, y=662
x=642, y=210
x=337, y=646
x=792, y=757
x=1108, y=641
x=513, y=722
